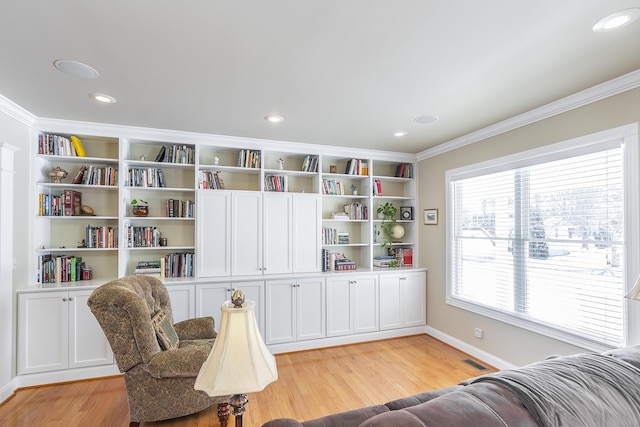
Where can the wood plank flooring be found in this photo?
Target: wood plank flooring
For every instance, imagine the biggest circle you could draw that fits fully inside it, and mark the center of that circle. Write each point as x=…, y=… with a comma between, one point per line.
x=311, y=384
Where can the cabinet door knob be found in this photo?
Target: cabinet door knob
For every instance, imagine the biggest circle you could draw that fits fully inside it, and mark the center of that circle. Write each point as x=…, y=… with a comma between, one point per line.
x=70, y=298
x=64, y=299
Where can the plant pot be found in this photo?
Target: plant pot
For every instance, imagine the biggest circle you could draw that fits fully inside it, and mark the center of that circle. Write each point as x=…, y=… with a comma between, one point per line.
x=140, y=210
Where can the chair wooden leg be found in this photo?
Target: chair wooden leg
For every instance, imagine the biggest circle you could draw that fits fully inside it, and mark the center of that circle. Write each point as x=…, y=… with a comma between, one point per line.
x=134, y=424
x=223, y=413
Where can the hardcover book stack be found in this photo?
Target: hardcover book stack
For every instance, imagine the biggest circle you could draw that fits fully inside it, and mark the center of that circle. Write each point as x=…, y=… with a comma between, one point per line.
x=178, y=265
x=276, y=183
x=101, y=237
x=69, y=203
x=182, y=154
x=59, y=145
x=404, y=170
x=149, y=268
x=146, y=177
x=96, y=175
x=59, y=269
x=143, y=237
x=310, y=164
x=211, y=180
x=356, y=167
x=249, y=159
x=179, y=208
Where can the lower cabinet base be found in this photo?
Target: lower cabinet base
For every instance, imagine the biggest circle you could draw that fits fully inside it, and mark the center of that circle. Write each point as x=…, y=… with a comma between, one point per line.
x=65, y=375
x=344, y=340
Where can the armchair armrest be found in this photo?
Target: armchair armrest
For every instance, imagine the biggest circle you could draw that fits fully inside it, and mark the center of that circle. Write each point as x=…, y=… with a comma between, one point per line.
x=196, y=329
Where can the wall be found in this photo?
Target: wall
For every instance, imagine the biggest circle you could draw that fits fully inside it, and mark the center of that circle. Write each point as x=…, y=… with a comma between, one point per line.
x=14, y=132
x=509, y=343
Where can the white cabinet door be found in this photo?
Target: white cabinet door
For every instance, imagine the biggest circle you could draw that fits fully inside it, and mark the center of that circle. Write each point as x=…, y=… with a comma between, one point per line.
x=43, y=332
x=352, y=305
x=213, y=242
x=390, y=314
x=280, y=311
x=278, y=251
x=339, y=303
x=88, y=346
x=246, y=233
x=183, y=301
x=403, y=300
x=365, y=304
x=306, y=227
x=311, y=308
x=414, y=299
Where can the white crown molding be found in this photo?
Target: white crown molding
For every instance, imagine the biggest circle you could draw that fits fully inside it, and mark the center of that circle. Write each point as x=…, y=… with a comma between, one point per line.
x=596, y=93
x=16, y=112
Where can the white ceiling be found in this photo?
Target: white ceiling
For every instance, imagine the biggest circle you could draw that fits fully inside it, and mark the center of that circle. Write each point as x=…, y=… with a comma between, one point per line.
x=341, y=72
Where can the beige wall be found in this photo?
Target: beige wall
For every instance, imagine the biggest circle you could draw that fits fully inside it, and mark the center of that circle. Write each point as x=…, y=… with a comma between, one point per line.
x=510, y=343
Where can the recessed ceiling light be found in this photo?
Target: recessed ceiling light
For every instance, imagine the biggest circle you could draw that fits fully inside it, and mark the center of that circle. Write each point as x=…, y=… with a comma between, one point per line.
x=101, y=97
x=273, y=118
x=617, y=20
x=75, y=68
x=400, y=133
x=425, y=120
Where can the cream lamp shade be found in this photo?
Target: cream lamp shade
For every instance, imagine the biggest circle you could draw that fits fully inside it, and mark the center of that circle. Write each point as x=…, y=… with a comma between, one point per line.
x=239, y=361
x=634, y=293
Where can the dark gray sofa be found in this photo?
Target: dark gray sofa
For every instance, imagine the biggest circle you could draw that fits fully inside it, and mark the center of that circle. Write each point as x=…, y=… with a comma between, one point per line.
x=583, y=390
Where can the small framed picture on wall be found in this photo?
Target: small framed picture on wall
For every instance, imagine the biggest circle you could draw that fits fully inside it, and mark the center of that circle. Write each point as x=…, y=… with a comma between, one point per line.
x=431, y=216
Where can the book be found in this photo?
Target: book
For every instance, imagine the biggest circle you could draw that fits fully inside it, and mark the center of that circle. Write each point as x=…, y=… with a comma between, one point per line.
x=72, y=202
x=80, y=175
x=78, y=147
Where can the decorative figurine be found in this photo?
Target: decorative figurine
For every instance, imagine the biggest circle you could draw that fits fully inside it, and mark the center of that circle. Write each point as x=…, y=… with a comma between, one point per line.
x=216, y=160
x=281, y=164
x=58, y=174
x=142, y=157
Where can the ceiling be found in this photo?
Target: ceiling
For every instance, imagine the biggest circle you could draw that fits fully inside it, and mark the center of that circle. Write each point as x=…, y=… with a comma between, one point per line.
x=340, y=72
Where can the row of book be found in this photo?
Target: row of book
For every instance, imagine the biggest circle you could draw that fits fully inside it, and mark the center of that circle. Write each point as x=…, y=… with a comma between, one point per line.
x=356, y=211
x=101, y=237
x=68, y=203
x=249, y=159
x=179, y=208
x=404, y=170
x=331, y=236
x=178, y=264
x=356, y=167
x=310, y=164
x=96, y=175
x=146, y=177
x=60, y=145
x=183, y=154
x=276, y=183
x=62, y=268
x=143, y=237
x=211, y=180
x=333, y=187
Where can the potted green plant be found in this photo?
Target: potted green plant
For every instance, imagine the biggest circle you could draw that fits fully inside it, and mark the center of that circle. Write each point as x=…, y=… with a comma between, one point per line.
x=139, y=207
x=387, y=212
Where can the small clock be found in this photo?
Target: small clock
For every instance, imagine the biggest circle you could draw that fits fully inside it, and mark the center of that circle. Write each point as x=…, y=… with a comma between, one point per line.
x=406, y=212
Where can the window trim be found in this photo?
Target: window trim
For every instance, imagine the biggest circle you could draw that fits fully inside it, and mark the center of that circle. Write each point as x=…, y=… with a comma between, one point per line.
x=579, y=145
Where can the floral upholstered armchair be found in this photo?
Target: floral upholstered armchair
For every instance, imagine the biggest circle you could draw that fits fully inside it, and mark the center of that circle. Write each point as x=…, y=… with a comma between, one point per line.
x=160, y=360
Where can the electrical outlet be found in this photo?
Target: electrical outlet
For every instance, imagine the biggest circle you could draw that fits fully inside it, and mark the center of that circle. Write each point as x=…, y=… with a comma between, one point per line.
x=479, y=333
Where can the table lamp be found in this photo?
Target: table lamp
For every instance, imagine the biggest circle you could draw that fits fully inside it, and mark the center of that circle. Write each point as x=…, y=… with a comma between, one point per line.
x=239, y=361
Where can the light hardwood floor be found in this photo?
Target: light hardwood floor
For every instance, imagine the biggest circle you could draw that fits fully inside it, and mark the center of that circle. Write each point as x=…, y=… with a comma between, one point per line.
x=311, y=384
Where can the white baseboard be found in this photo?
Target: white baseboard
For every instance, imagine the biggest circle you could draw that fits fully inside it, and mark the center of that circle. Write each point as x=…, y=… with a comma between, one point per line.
x=65, y=375
x=343, y=340
x=469, y=349
x=7, y=391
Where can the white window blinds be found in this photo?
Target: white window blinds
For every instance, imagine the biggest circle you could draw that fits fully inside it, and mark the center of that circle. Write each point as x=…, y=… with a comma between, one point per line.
x=539, y=239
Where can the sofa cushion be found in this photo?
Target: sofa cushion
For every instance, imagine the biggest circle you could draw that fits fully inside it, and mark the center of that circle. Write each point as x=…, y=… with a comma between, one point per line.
x=183, y=362
x=348, y=418
x=167, y=336
x=417, y=399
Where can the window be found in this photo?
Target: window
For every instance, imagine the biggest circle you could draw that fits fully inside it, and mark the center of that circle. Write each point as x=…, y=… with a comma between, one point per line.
x=538, y=239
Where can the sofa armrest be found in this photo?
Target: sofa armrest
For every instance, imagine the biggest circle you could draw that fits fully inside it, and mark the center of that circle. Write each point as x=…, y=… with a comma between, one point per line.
x=282, y=422
x=199, y=328
x=417, y=399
